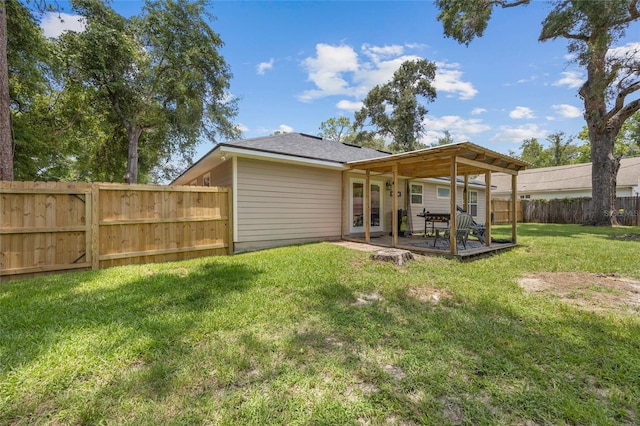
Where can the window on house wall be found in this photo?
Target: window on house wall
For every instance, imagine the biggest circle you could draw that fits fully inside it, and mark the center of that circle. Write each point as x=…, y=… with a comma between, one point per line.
x=416, y=193
x=525, y=197
x=442, y=192
x=206, y=180
x=473, y=203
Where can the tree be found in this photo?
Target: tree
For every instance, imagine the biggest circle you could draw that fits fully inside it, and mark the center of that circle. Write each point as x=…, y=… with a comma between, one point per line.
x=627, y=143
x=335, y=129
x=341, y=130
x=393, y=108
x=446, y=139
x=562, y=151
x=161, y=75
x=533, y=153
x=6, y=147
x=591, y=28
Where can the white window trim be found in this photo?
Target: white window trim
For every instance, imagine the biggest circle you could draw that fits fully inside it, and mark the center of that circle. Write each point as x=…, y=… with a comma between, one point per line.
x=474, y=204
x=411, y=193
x=438, y=192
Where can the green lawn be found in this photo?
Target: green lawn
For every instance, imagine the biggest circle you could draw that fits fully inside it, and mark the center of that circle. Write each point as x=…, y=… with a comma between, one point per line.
x=320, y=334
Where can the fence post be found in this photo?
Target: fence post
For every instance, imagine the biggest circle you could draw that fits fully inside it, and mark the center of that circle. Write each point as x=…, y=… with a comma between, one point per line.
x=95, y=226
x=230, y=247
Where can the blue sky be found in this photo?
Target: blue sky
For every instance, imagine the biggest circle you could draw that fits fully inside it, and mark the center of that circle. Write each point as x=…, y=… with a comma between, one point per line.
x=297, y=64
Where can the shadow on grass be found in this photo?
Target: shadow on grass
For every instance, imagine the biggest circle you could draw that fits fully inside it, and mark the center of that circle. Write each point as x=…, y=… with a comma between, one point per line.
x=148, y=308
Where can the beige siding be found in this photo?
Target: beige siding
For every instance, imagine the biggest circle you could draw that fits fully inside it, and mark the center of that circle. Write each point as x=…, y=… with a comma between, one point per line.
x=281, y=203
x=222, y=175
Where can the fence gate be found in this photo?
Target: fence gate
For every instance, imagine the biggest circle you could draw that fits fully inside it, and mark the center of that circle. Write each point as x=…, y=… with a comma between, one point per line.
x=44, y=227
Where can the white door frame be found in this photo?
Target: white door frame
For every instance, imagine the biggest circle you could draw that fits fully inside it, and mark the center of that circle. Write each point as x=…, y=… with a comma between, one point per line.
x=360, y=229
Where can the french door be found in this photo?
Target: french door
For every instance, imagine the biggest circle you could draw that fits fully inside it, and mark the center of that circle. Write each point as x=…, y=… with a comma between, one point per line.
x=358, y=201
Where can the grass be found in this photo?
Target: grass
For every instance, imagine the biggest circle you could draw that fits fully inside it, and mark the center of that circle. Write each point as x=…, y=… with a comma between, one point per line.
x=319, y=334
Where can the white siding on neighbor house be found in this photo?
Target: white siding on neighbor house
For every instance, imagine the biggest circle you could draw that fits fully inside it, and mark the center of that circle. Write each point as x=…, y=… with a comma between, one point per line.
x=281, y=203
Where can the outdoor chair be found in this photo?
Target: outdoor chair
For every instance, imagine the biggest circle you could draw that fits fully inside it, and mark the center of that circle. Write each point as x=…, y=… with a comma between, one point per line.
x=464, y=222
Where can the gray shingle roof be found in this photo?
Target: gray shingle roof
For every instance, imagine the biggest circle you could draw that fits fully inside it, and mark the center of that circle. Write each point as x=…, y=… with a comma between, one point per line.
x=307, y=146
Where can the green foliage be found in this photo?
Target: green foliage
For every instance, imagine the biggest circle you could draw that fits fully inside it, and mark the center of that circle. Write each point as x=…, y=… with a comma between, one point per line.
x=335, y=129
x=590, y=29
x=320, y=334
x=627, y=142
x=561, y=151
x=341, y=130
x=393, y=108
x=158, y=79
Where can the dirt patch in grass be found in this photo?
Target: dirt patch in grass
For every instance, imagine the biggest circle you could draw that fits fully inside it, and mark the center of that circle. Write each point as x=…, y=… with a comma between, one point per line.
x=428, y=294
x=593, y=292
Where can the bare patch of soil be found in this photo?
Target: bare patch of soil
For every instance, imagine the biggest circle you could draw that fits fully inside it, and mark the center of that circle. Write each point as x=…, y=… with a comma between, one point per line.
x=428, y=294
x=593, y=292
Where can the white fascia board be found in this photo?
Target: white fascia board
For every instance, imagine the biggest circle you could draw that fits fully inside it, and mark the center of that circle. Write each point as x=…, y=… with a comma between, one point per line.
x=282, y=158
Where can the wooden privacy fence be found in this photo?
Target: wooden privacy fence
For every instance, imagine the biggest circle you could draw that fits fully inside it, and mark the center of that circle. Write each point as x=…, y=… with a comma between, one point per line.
x=577, y=210
x=60, y=226
x=501, y=211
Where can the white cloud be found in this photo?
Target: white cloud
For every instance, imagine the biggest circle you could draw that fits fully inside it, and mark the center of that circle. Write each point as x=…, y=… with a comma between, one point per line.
x=285, y=129
x=478, y=111
x=571, y=79
x=54, y=24
x=449, y=79
x=630, y=51
x=567, y=111
x=340, y=70
x=349, y=105
x=326, y=70
x=376, y=53
x=459, y=128
x=264, y=66
x=242, y=127
x=522, y=112
x=518, y=134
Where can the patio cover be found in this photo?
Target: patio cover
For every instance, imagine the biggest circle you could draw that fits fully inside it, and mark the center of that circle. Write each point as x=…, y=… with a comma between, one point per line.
x=452, y=160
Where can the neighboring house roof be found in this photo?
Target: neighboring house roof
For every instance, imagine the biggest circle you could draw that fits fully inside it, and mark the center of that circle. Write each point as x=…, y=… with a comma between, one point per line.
x=574, y=177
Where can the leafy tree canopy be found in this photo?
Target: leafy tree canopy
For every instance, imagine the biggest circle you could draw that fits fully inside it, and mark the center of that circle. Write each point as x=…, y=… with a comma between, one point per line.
x=610, y=92
x=393, y=109
x=159, y=77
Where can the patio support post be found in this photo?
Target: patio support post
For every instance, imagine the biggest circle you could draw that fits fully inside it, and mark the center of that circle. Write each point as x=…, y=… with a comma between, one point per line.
x=487, y=208
x=367, y=208
x=394, y=207
x=452, y=192
x=514, y=213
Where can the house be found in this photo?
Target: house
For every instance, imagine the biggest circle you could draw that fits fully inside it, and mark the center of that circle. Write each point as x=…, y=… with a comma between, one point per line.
x=294, y=188
x=572, y=181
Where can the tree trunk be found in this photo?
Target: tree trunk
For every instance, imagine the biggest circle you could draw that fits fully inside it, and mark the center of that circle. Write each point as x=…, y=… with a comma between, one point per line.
x=133, y=134
x=604, y=173
x=6, y=146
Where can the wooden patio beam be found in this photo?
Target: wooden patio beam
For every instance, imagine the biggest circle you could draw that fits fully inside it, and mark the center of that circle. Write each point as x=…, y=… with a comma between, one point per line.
x=486, y=166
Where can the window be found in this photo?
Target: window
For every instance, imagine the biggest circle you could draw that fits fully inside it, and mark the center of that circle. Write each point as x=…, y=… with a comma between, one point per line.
x=525, y=197
x=416, y=193
x=443, y=192
x=473, y=203
x=206, y=180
